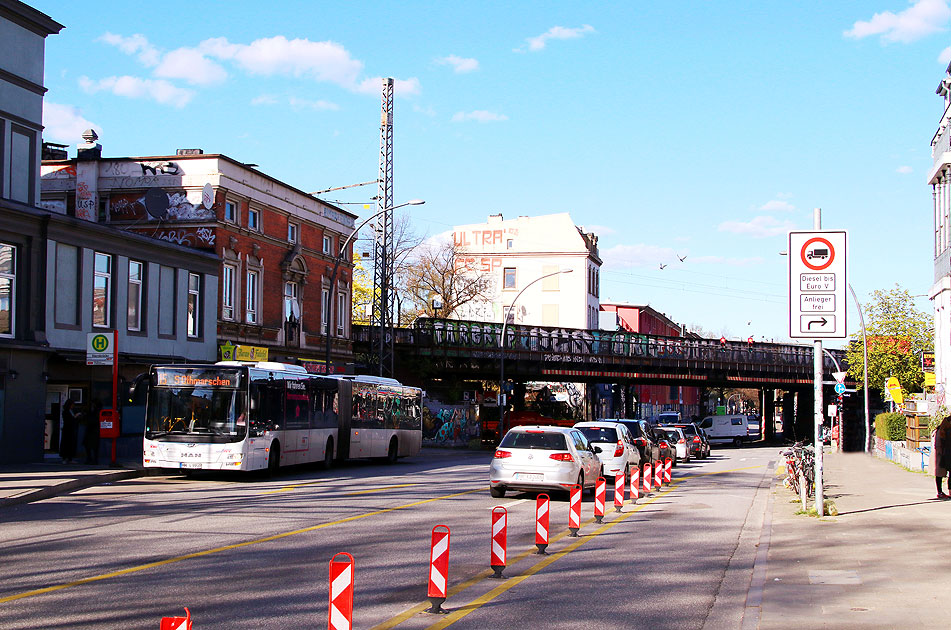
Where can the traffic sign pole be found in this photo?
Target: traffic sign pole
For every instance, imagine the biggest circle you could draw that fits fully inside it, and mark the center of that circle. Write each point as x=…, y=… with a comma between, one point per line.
x=115, y=393
x=817, y=394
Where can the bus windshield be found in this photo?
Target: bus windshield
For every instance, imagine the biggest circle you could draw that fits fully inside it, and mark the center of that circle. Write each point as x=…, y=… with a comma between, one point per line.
x=196, y=404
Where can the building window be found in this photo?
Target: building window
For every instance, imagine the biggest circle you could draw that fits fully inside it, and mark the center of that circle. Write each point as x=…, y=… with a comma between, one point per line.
x=102, y=290
x=227, y=291
x=22, y=164
x=324, y=309
x=167, y=298
x=8, y=276
x=134, y=307
x=328, y=245
x=231, y=211
x=508, y=275
x=251, y=305
x=341, y=311
x=291, y=301
x=194, y=305
x=254, y=219
x=509, y=244
x=292, y=232
x=66, y=308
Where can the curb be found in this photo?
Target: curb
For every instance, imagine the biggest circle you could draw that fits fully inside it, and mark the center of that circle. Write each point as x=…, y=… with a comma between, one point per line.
x=86, y=481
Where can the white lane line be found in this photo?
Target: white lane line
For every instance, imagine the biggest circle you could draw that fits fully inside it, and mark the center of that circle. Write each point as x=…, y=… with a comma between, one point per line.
x=508, y=505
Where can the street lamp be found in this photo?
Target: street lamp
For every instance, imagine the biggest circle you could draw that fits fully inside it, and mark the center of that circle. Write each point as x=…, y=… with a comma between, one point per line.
x=505, y=321
x=333, y=275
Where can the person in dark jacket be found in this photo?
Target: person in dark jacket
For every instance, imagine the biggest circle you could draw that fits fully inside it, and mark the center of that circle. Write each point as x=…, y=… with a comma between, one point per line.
x=91, y=436
x=68, y=438
x=941, y=455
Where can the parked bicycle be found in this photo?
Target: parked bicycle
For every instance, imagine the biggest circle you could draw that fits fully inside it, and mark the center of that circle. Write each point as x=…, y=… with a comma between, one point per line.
x=800, y=469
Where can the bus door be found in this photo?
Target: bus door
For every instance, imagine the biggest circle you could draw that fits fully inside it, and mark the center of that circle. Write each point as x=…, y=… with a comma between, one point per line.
x=344, y=418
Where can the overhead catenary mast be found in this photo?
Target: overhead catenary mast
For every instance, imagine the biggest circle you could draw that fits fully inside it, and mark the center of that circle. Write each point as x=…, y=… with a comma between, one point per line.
x=381, y=317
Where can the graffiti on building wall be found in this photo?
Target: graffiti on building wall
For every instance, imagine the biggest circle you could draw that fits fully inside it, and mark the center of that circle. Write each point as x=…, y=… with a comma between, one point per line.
x=140, y=169
x=449, y=425
x=203, y=238
x=132, y=206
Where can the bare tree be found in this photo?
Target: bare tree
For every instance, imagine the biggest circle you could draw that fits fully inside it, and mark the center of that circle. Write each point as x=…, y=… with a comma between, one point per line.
x=437, y=270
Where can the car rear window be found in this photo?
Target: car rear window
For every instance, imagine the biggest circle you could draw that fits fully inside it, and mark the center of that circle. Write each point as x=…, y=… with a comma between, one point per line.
x=546, y=441
x=600, y=434
x=634, y=428
x=688, y=429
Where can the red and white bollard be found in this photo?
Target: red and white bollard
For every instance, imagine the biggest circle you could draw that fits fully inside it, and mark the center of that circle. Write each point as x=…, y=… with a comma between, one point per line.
x=177, y=623
x=438, y=568
x=541, y=524
x=635, y=483
x=667, y=471
x=618, y=492
x=499, y=528
x=659, y=473
x=648, y=478
x=599, y=491
x=574, y=511
x=340, y=610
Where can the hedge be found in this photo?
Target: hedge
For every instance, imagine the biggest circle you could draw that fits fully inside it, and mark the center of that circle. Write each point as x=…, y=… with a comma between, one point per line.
x=890, y=426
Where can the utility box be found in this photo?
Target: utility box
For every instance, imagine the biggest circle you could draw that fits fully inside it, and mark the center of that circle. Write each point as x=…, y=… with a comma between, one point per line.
x=109, y=423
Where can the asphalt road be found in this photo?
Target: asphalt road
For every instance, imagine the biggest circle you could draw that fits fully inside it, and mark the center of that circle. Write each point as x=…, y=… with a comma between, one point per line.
x=252, y=553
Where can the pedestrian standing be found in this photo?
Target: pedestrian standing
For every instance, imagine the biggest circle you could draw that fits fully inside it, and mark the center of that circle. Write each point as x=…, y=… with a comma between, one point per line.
x=91, y=436
x=67, y=441
x=941, y=455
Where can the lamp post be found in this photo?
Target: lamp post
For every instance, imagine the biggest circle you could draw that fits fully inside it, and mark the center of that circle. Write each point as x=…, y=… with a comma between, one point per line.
x=505, y=321
x=333, y=275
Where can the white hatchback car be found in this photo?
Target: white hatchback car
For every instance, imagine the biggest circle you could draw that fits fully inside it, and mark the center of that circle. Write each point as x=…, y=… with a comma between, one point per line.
x=543, y=458
x=619, y=452
x=678, y=440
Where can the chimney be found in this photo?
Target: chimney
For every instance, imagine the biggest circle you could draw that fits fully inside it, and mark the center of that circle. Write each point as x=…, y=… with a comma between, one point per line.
x=89, y=149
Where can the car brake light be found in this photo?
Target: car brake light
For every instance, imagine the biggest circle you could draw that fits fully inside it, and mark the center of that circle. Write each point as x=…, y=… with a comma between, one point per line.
x=681, y=441
x=534, y=431
x=619, y=450
x=696, y=439
x=561, y=457
x=500, y=454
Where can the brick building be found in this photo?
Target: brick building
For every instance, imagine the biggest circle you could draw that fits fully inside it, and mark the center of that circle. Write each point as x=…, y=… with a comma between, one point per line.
x=277, y=244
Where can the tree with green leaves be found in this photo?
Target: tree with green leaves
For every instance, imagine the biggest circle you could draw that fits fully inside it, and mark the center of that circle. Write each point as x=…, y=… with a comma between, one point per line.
x=897, y=333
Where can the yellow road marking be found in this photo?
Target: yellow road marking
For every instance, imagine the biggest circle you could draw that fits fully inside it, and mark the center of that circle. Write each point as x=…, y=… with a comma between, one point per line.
x=718, y=472
x=208, y=552
x=402, y=485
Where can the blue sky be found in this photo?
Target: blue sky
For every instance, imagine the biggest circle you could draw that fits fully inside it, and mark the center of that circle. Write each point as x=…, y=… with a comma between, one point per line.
x=702, y=130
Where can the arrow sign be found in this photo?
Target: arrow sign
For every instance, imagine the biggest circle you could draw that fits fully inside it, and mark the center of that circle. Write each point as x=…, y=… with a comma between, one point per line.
x=839, y=388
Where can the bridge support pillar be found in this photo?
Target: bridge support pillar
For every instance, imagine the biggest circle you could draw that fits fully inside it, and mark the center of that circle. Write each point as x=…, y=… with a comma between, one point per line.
x=518, y=396
x=805, y=416
x=789, y=416
x=767, y=422
x=629, y=400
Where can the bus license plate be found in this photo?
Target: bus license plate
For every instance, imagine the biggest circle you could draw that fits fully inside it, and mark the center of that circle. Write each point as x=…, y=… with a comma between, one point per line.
x=529, y=476
x=190, y=464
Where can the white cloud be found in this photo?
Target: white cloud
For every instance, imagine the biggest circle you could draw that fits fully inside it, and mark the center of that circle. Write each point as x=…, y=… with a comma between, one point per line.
x=192, y=66
x=459, y=65
x=945, y=57
x=302, y=103
x=758, y=227
x=401, y=87
x=922, y=18
x=556, y=32
x=904, y=170
x=777, y=205
x=639, y=255
x=479, y=115
x=64, y=123
x=264, y=99
x=134, y=45
x=158, y=90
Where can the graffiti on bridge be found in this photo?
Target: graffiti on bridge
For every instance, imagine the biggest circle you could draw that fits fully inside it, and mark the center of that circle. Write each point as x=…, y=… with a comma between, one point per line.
x=449, y=425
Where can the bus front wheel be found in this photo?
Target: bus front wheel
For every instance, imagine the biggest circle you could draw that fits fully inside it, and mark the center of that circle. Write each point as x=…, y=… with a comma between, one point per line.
x=274, y=459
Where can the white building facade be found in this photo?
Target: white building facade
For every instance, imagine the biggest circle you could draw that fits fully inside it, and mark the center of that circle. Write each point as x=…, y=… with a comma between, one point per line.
x=515, y=253
x=939, y=178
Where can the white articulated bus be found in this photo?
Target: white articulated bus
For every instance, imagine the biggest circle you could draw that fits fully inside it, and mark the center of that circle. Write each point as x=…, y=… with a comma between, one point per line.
x=236, y=416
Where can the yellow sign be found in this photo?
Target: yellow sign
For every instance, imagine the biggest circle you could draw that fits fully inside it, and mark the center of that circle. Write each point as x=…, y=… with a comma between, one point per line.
x=930, y=379
x=242, y=353
x=894, y=388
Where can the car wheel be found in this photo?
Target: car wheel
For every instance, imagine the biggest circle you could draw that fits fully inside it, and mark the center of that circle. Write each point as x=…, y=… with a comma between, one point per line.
x=737, y=442
x=580, y=482
x=496, y=492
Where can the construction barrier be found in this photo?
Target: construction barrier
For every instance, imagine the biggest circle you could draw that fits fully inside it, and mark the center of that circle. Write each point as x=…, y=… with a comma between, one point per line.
x=658, y=474
x=438, y=568
x=599, y=491
x=668, y=464
x=541, y=523
x=618, y=492
x=177, y=623
x=635, y=483
x=574, y=511
x=340, y=610
x=648, y=477
x=499, y=528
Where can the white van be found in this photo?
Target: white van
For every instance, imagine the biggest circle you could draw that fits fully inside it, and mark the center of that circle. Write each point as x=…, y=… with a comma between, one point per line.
x=726, y=429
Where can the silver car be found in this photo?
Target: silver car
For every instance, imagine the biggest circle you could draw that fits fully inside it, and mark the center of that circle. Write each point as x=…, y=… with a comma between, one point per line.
x=677, y=440
x=619, y=453
x=543, y=458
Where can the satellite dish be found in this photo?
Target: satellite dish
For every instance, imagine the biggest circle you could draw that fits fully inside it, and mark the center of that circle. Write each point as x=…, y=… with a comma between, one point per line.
x=207, y=196
x=156, y=202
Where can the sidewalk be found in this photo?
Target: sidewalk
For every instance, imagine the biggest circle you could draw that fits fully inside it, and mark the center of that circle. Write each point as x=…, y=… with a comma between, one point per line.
x=33, y=482
x=882, y=563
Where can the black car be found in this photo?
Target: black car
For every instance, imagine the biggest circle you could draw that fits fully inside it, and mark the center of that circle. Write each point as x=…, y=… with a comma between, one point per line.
x=696, y=440
x=644, y=438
